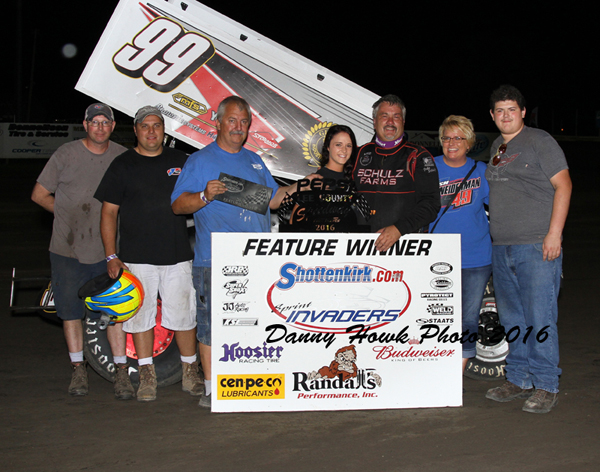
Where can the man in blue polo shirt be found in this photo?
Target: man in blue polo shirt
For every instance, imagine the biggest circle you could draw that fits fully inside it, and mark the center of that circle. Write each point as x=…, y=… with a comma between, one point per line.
x=195, y=191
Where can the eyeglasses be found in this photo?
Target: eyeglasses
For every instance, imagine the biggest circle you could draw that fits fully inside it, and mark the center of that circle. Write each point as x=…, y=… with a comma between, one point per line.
x=96, y=123
x=456, y=139
x=497, y=157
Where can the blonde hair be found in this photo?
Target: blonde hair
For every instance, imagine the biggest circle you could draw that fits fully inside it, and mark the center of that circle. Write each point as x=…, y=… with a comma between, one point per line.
x=463, y=124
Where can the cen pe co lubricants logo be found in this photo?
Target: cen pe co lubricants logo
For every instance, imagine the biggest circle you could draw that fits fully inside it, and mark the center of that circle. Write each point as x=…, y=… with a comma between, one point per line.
x=251, y=386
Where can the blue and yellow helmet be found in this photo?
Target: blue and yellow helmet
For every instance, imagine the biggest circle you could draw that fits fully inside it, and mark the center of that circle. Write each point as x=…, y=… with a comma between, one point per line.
x=119, y=298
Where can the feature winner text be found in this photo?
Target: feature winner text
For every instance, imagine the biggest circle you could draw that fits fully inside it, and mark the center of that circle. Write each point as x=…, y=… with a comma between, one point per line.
x=328, y=247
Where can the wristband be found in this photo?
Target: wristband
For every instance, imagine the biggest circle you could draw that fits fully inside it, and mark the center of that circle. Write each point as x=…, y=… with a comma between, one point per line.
x=204, y=199
x=111, y=257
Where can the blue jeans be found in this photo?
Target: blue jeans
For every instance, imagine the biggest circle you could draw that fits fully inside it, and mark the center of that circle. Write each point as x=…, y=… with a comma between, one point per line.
x=202, y=283
x=526, y=290
x=473, y=282
x=68, y=276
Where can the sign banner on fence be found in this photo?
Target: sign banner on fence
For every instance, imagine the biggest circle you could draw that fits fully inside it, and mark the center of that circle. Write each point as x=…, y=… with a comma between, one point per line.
x=27, y=140
x=325, y=322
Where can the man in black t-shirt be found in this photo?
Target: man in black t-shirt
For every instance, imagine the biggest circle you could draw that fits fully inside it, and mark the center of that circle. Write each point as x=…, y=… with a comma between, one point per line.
x=154, y=246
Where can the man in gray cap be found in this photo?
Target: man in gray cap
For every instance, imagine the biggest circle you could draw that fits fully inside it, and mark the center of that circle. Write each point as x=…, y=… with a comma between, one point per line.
x=154, y=246
x=66, y=188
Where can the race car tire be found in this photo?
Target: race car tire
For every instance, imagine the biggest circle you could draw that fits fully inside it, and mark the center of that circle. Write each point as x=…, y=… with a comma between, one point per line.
x=50, y=316
x=47, y=310
x=97, y=352
x=477, y=369
x=490, y=361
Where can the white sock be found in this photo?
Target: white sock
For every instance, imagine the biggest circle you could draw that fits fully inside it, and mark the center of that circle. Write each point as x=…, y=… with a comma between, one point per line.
x=145, y=361
x=76, y=356
x=207, y=387
x=189, y=359
x=120, y=359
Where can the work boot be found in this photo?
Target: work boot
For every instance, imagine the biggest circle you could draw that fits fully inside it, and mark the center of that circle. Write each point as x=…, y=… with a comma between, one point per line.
x=79, y=379
x=205, y=401
x=191, y=381
x=123, y=388
x=147, y=389
x=541, y=401
x=508, y=391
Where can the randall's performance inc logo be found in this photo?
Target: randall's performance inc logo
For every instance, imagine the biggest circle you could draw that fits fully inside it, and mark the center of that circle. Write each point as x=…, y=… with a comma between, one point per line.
x=332, y=298
x=340, y=379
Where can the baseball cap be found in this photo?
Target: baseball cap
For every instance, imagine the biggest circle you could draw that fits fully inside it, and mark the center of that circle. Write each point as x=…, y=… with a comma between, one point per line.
x=96, y=109
x=148, y=110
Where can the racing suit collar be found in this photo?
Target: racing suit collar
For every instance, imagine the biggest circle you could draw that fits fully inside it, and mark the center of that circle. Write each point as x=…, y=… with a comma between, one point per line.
x=389, y=144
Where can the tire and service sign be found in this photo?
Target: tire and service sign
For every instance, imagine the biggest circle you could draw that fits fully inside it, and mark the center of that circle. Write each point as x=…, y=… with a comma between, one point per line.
x=325, y=322
x=184, y=58
x=33, y=140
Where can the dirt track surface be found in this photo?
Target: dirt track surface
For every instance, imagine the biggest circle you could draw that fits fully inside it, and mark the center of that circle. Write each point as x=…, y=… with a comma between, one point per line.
x=43, y=429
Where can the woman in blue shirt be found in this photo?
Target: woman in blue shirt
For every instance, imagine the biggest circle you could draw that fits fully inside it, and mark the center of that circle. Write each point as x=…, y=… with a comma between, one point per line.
x=466, y=216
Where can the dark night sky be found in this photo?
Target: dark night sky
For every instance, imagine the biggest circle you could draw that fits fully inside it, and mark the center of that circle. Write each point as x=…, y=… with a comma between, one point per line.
x=440, y=60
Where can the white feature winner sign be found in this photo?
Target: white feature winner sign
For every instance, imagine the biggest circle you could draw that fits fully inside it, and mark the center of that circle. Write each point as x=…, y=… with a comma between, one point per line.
x=325, y=322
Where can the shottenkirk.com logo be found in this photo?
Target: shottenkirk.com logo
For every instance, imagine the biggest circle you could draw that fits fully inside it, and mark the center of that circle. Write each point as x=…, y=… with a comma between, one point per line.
x=331, y=298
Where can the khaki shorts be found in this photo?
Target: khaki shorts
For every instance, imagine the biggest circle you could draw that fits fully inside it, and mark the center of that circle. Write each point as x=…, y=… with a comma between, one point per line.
x=174, y=284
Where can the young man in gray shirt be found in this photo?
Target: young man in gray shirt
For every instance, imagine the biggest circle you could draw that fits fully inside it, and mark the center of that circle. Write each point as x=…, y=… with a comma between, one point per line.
x=530, y=191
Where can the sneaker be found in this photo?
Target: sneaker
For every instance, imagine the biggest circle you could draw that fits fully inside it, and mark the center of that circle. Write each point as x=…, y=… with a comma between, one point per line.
x=507, y=392
x=147, y=389
x=191, y=381
x=541, y=401
x=205, y=401
x=123, y=388
x=79, y=379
